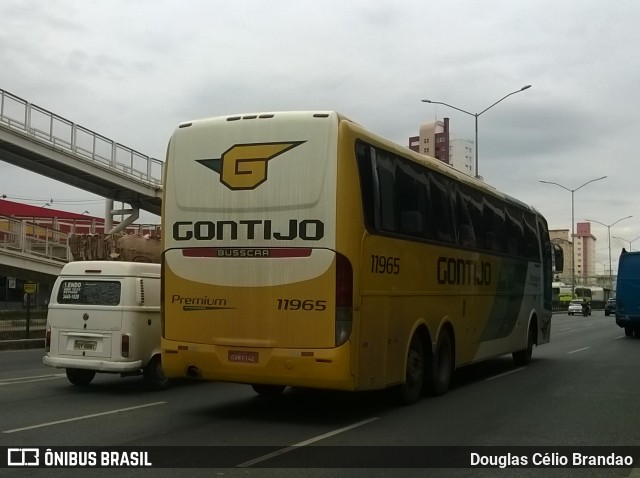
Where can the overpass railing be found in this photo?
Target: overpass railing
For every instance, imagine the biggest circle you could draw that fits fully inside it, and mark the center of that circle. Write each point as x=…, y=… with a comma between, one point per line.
x=57, y=131
x=28, y=238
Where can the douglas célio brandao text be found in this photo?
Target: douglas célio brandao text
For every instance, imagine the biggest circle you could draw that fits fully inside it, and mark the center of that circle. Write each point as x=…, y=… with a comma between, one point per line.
x=554, y=459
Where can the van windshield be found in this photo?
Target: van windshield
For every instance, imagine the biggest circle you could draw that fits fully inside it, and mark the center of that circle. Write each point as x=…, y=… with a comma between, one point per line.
x=89, y=292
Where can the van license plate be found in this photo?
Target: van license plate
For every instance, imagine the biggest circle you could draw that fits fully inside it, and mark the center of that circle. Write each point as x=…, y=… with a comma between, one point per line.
x=243, y=356
x=85, y=345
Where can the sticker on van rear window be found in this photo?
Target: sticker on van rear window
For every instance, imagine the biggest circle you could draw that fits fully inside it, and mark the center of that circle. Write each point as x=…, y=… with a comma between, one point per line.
x=84, y=292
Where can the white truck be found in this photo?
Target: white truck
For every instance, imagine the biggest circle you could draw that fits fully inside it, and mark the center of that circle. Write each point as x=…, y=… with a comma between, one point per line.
x=104, y=316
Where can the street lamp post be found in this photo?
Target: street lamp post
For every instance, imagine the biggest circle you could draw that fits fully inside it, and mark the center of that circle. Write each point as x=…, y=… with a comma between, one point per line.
x=627, y=240
x=573, y=256
x=475, y=115
x=608, y=226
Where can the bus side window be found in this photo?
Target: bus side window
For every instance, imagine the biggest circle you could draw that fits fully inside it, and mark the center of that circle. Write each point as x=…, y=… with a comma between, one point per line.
x=412, y=223
x=441, y=208
x=466, y=234
x=495, y=223
x=474, y=207
x=532, y=251
x=407, y=197
x=386, y=177
x=514, y=233
x=364, y=155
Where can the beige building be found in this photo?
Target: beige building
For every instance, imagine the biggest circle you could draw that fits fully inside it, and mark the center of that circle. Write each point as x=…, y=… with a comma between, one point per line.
x=583, y=254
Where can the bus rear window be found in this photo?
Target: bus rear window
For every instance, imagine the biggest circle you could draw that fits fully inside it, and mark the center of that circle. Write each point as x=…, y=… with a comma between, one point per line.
x=89, y=292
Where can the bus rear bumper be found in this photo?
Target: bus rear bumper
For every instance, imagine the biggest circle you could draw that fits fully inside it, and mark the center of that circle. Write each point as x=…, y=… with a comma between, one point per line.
x=310, y=368
x=626, y=321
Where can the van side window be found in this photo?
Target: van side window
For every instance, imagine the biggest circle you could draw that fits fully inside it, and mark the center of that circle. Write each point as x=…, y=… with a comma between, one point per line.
x=89, y=292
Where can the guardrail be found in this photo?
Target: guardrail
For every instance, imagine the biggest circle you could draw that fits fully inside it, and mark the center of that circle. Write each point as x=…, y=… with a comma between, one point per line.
x=45, y=126
x=20, y=325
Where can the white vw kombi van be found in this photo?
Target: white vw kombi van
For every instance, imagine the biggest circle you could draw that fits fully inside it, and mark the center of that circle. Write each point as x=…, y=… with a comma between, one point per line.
x=104, y=316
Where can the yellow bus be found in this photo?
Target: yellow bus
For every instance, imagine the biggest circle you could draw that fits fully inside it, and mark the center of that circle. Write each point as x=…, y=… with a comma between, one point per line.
x=302, y=250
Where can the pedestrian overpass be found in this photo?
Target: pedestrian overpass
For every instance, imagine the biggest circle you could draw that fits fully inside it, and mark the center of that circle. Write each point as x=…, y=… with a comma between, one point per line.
x=40, y=141
x=32, y=252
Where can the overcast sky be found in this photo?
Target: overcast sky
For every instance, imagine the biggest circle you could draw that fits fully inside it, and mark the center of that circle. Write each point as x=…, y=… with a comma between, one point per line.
x=133, y=70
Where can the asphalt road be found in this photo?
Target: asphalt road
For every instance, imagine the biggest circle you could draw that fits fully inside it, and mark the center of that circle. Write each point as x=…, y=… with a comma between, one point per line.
x=579, y=390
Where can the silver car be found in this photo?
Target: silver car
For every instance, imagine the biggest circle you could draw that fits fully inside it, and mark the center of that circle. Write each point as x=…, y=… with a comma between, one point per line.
x=575, y=307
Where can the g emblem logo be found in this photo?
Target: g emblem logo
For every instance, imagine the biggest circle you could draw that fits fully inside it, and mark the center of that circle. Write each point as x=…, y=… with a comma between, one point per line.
x=244, y=166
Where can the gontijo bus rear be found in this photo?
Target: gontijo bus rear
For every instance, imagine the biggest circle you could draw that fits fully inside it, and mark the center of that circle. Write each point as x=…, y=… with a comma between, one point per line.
x=301, y=250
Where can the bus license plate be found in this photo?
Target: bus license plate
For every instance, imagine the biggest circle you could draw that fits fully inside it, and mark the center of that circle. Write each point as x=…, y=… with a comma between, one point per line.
x=242, y=356
x=85, y=345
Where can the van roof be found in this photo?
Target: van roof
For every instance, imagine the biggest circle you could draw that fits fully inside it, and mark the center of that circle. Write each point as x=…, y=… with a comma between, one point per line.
x=111, y=268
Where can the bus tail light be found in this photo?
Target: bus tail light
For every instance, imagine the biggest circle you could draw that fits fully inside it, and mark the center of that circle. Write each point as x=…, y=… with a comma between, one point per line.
x=47, y=340
x=125, y=345
x=344, y=299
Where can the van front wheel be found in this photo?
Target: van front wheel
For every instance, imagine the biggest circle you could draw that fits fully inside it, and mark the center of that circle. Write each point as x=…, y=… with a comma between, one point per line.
x=154, y=375
x=81, y=377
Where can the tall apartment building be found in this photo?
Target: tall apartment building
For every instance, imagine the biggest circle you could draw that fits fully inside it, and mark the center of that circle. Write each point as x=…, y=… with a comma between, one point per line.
x=585, y=254
x=435, y=140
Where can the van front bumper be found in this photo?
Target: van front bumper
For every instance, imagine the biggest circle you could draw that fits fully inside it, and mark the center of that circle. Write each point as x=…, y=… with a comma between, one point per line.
x=92, y=364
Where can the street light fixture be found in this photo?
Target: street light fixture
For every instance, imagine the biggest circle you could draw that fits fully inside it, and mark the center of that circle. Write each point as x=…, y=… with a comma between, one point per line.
x=608, y=226
x=475, y=115
x=573, y=256
x=627, y=240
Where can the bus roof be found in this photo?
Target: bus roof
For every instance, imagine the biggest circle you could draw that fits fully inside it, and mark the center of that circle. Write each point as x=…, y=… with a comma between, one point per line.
x=270, y=115
x=111, y=268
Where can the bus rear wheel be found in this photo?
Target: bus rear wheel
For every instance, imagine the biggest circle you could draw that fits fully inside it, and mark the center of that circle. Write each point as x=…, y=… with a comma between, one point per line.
x=78, y=376
x=410, y=390
x=265, y=390
x=628, y=331
x=441, y=365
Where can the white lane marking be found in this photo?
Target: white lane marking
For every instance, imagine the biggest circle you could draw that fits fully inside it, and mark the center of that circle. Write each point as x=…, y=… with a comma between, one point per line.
x=304, y=443
x=35, y=378
x=578, y=350
x=505, y=373
x=57, y=422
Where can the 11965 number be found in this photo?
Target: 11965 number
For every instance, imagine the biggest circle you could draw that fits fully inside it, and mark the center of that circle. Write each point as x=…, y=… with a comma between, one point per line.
x=385, y=264
x=302, y=304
